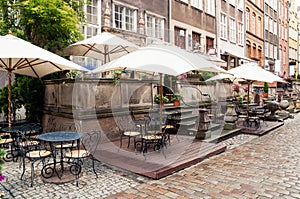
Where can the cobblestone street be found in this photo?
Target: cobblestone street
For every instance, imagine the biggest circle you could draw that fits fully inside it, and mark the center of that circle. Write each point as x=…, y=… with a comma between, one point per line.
x=252, y=167
x=266, y=167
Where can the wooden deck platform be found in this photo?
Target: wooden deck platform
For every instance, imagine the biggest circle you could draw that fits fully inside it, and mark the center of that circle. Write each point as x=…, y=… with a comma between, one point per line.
x=265, y=127
x=183, y=152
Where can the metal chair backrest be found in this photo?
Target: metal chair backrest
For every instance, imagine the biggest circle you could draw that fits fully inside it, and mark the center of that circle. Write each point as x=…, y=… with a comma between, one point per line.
x=90, y=141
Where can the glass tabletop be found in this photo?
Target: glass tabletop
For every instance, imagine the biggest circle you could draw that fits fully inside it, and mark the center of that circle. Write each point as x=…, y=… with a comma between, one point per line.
x=60, y=136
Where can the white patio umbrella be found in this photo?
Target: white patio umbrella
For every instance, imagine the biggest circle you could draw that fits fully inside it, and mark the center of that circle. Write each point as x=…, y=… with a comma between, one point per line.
x=21, y=57
x=105, y=47
x=161, y=59
x=251, y=72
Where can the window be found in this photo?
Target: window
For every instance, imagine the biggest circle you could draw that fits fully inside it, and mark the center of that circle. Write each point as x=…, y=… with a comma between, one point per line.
x=266, y=22
x=284, y=56
x=197, y=4
x=223, y=27
x=92, y=27
x=124, y=18
x=232, y=2
x=258, y=3
x=232, y=30
x=240, y=34
x=253, y=23
x=275, y=52
x=180, y=36
x=210, y=7
x=271, y=51
x=185, y=1
x=154, y=26
x=275, y=28
x=247, y=20
x=240, y=4
x=266, y=49
x=270, y=24
x=259, y=26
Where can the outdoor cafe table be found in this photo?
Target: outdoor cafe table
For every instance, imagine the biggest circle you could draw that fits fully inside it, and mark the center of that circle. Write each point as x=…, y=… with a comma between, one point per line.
x=60, y=137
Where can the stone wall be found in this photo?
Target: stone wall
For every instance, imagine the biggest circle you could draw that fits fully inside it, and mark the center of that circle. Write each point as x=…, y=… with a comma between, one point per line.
x=95, y=103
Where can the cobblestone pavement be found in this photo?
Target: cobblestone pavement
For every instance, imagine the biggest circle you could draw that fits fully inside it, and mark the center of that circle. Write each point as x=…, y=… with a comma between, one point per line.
x=265, y=167
x=252, y=167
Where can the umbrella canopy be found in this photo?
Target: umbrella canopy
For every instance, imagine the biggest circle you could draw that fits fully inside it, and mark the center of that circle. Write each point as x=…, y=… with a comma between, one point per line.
x=105, y=46
x=164, y=59
x=21, y=57
x=252, y=72
x=222, y=76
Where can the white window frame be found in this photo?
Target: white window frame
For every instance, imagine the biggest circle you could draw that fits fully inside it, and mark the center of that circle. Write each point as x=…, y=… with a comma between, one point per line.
x=197, y=4
x=266, y=22
x=240, y=5
x=247, y=13
x=240, y=34
x=275, y=28
x=253, y=23
x=157, y=29
x=93, y=27
x=259, y=26
x=223, y=26
x=232, y=2
x=123, y=20
x=210, y=7
x=266, y=49
x=232, y=30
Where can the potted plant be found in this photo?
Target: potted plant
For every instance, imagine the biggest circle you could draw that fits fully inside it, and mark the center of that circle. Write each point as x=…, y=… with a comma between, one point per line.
x=266, y=89
x=176, y=99
x=157, y=99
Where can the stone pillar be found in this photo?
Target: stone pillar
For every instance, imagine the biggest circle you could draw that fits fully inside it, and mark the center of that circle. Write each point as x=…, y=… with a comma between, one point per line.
x=291, y=106
x=107, y=15
x=141, y=24
x=298, y=104
x=204, y=125
x=230, y=117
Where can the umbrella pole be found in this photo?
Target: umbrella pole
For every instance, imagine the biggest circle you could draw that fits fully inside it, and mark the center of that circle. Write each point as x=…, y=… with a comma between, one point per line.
x=9, y=98
x=160, y=98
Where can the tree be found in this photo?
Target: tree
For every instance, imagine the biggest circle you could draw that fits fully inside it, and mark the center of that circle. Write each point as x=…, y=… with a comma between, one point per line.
x=52, y=25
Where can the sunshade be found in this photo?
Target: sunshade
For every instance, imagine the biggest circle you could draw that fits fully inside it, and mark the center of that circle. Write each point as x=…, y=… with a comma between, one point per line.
x=163, y=59
x=21, y=57
x=105, y=47
x=252, y=72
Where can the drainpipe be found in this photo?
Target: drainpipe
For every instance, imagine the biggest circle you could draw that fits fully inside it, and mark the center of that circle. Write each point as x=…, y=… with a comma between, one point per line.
x=217, y=30
x=170, y=18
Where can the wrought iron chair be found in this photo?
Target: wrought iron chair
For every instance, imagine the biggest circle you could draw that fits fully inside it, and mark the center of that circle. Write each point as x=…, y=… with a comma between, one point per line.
x=129, y=130
x=88, y=146
x=32, y=151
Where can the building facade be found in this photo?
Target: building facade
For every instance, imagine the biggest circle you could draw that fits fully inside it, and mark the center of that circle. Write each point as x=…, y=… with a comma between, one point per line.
x=293, y=38
x=271, y=32
x=193, y=25
x=254, y=22
x=283, y=37
x=238, y=31
x=231, y=32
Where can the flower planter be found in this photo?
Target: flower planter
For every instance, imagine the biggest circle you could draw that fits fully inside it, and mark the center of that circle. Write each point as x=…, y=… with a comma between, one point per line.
x=265, y=95
x=176, y=103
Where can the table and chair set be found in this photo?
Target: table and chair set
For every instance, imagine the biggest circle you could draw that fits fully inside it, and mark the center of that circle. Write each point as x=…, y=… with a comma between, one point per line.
x=62, y=154
x=251, y=115
x=152, y=131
